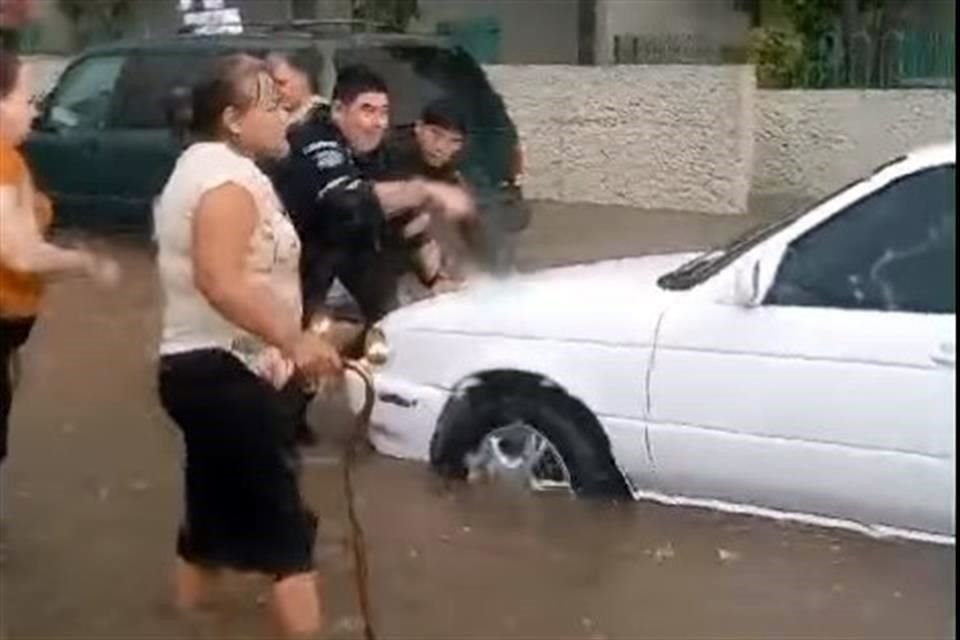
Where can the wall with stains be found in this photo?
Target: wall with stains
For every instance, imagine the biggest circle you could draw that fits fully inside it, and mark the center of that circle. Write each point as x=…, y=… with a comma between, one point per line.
x=660, y=137
x=813, y=142
x=704, y=138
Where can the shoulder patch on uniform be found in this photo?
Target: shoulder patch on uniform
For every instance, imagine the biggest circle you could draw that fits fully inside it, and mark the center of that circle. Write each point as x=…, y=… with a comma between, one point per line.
x=329, y=159
x=322, y=144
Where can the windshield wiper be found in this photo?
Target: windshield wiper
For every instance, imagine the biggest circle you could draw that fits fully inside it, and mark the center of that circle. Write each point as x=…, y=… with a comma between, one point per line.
x=710, y=262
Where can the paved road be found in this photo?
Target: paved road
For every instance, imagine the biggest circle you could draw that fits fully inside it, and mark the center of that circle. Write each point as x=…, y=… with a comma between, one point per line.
x=91, y=498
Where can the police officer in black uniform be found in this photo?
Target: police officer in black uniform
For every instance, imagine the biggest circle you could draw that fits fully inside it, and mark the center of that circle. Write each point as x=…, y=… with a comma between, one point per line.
x=429, y=149
x=343, y=204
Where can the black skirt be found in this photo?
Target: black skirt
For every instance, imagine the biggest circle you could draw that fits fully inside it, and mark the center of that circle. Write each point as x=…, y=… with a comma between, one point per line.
x=244, y=510
x=13, y=334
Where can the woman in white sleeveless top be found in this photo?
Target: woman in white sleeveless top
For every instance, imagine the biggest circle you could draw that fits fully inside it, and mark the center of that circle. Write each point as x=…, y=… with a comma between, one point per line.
x=233, y=352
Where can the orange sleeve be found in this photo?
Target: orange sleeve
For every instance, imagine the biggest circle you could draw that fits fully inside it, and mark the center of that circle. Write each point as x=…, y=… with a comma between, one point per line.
x=12, y=168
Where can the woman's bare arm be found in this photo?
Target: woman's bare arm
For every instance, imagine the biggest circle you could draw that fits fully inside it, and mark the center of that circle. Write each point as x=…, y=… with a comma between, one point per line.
x=222, y=227
x=23, y=247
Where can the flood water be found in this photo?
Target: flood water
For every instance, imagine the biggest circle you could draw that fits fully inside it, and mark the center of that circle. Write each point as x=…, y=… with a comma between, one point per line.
x=91, y=501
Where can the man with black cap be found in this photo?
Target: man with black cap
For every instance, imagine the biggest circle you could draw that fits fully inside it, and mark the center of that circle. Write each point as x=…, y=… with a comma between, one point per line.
x=345, y=209
x=429, y=150
x=432, y=148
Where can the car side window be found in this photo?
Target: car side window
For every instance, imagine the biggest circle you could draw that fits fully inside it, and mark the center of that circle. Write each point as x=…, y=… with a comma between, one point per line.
x=147, y=82
x=83, y=98
x=894, y=250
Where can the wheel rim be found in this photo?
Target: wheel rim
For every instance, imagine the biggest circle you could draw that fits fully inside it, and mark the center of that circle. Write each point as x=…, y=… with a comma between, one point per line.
x=519, y=455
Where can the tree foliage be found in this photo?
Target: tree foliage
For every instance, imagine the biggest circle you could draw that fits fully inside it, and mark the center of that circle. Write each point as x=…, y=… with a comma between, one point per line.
x=96, y=20
x=843, y=38
x=396, y=14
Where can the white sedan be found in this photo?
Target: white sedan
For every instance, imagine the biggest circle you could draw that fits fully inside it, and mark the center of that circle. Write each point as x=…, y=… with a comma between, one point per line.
x=806, y=370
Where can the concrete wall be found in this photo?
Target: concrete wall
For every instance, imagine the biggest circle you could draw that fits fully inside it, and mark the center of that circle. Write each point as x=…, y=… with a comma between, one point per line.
x=704, y=138
x=44, y=71
x=714, y=21
x=531, y=31
x=663, y=137
x=50, y=31
x=812, y=142
x=547, y=31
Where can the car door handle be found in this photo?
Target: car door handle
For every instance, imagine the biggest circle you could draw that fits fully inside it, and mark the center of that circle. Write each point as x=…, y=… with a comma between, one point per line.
x=946, y=355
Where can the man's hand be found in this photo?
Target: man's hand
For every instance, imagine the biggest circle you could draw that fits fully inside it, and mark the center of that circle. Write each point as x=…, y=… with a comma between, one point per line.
x=104, y=271
x=445, y=284
x=453, y=202
x=419, y=224
x=429, y=260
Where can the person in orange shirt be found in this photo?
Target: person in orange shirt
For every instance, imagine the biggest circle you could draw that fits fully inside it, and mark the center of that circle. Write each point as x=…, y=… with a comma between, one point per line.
x=26, y=258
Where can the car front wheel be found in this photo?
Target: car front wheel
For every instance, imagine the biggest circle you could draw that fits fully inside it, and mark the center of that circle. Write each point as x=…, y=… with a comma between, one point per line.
x=530, y=436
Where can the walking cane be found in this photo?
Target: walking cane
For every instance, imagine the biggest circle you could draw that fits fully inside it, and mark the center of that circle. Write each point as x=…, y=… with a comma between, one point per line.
x=375, y=355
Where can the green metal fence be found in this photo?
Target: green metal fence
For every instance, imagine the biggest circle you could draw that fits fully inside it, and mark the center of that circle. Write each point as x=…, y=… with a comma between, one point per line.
x=674, y=48
x=894, y=60
x=928, y=59
x=897, y=59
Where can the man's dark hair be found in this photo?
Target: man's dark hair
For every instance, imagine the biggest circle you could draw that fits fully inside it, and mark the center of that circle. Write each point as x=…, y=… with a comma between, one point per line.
x=354, y=81
x=445, y=114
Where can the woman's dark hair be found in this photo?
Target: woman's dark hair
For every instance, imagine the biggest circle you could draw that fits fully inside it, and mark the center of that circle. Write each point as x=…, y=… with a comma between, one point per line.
x=302, y=60
x=9, y=69
x=356, y=80
x=231, y=82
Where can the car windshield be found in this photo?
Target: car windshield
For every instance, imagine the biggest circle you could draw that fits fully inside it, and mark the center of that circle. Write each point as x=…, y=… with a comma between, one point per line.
x=710, y=262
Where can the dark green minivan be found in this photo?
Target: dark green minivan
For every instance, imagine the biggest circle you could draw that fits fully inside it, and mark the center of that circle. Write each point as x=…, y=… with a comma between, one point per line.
x=102, y=146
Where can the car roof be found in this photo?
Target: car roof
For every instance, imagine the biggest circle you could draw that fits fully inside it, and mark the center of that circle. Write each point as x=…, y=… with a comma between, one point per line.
x=291, y=39
x=934, y=154
x=919, y=159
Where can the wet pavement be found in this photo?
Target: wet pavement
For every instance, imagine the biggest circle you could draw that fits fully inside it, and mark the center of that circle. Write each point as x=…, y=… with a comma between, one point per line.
x=91, y=500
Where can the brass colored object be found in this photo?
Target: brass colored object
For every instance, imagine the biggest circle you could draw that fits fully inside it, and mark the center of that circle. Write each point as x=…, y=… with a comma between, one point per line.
x=353, y=339
x=376, y=350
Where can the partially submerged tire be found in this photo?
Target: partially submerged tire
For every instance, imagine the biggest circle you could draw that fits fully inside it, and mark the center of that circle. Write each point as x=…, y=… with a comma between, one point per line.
x=517, y=425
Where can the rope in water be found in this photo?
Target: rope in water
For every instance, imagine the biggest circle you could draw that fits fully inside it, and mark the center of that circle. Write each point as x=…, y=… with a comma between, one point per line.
x=357, y=438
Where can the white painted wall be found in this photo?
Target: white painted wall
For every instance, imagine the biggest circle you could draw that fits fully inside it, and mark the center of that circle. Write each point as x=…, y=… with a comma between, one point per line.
x=813, y=142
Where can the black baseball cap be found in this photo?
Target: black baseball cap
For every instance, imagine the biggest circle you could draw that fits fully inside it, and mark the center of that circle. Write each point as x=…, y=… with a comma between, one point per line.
x=445, y=114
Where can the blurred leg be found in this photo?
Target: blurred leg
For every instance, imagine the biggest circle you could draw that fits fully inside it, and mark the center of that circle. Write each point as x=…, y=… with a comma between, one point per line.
x=296, y=606
x=194, y=586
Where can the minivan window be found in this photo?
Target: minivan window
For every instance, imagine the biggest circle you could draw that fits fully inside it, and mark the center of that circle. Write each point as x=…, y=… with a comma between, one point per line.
x=83, y=98
x=416, y=75
x=146, y=83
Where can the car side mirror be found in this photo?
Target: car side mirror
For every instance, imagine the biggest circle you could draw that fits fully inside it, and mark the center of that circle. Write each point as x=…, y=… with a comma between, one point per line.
x=41, y=121
x=746, y=285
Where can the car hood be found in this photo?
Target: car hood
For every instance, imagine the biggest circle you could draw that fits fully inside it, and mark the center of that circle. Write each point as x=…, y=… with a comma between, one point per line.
x=609, y=301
